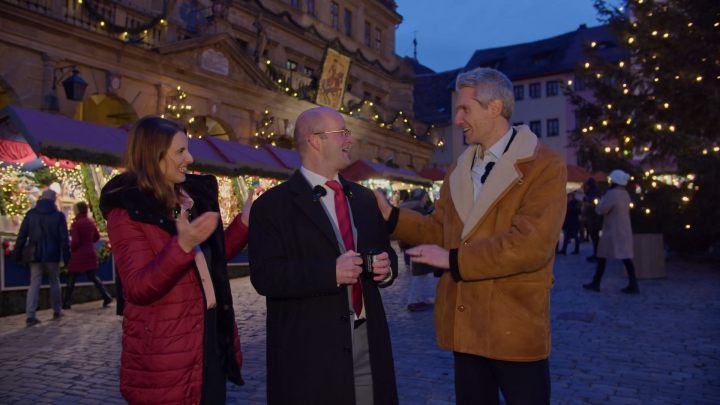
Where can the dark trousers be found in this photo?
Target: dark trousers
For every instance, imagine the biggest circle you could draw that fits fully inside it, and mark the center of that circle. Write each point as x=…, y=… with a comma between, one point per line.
x=214, y=388
x=91, y=276
x=567, y=236
x=629, y=267
x=594, y=233
x=478, y=379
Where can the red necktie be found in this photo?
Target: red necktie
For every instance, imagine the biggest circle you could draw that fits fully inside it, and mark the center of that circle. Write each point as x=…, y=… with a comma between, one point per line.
x=343, y=217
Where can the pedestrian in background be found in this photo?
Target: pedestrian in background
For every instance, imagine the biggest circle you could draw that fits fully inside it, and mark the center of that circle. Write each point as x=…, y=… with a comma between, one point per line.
x=571, y=225
x=83, y=259
x=616, y=240
x=44, y=230
x=421, y=291
x=401, y=196
x=589, y=218
x=180, y=340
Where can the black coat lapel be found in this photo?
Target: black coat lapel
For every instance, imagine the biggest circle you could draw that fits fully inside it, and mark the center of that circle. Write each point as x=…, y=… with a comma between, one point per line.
x=313, y=209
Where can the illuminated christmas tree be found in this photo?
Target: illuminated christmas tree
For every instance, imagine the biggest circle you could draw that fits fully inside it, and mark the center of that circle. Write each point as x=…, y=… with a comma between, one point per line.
x=655, y=114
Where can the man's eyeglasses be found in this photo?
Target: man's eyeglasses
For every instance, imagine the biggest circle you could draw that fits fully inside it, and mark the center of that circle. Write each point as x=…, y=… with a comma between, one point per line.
x=345, y=132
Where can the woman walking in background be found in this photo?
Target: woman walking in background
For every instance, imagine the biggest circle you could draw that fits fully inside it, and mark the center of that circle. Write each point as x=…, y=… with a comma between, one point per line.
x=83, y=258
x=180, y=341
x=616, y=240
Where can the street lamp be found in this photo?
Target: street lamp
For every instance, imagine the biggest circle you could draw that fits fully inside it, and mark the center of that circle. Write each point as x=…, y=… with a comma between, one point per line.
x=74, y=85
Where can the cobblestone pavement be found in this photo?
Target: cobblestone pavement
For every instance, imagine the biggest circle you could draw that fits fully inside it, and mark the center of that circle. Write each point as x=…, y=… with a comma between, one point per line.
x=659, y=347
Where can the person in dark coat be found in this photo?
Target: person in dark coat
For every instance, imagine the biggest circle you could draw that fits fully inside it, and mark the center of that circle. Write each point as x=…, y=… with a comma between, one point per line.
x=571, y=225
x=83, y=260
x=45, y=228
x=180, y=340
x=589, y=218
x=327, y=336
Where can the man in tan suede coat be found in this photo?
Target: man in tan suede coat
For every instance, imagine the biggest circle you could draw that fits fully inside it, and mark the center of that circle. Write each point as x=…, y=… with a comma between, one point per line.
x=494, y=229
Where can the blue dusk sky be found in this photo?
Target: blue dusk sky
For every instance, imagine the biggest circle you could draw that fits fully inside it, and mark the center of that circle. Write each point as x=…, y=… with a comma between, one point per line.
x=449, y=31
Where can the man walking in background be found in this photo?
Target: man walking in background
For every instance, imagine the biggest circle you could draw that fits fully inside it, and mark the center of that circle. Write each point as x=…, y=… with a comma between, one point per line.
x=44, y=230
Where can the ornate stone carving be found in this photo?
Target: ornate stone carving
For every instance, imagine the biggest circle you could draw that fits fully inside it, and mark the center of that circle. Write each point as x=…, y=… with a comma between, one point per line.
x=215, y=61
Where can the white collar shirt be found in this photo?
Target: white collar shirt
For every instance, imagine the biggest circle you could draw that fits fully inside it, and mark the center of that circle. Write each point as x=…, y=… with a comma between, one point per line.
x=328, y=200
x=492, y=154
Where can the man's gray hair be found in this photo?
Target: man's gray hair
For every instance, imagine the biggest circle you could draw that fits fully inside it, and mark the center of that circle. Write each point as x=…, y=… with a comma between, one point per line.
x=489, y=85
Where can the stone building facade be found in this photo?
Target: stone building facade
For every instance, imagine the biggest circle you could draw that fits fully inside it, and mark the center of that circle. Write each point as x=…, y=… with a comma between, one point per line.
x=240, y=70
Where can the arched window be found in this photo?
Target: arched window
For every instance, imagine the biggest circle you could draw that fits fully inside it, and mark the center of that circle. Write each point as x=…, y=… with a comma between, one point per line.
x=106, y=109
x=205, y=125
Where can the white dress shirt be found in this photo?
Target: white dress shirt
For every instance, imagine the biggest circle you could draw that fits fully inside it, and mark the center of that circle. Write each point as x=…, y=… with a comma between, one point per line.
x=492, y=154
x=328, y=200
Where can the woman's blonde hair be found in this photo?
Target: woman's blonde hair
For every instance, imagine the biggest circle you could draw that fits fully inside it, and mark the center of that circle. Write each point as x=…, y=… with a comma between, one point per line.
x=148, y=142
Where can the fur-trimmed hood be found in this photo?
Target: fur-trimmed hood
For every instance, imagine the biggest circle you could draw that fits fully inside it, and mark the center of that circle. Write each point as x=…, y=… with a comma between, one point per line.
x=123, y=192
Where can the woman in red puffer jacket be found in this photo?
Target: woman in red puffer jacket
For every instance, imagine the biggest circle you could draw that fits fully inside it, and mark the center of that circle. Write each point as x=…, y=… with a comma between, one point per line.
x=83, y=259
x=180, y=341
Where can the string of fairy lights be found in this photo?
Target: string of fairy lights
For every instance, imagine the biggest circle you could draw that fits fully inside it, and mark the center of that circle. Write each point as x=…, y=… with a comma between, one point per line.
x=265, y=133
x=20, y=189
x=365, y=109
x=636, y=81
x=13, y=181
x=179, y=108
x=133, y=33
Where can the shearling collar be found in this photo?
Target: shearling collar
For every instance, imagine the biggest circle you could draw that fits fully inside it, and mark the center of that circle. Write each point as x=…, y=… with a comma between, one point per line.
x=505, y=174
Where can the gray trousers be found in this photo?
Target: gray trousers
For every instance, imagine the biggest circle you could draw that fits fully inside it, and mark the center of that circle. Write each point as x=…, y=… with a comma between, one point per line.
x=33, y=294
x=361, y=363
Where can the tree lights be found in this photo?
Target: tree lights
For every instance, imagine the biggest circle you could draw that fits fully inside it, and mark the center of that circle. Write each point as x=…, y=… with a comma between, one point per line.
x=177, y=107
x=659, y=100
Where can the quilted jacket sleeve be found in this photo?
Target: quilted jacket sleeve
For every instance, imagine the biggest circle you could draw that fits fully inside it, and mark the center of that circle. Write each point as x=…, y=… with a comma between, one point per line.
x=146, y=276
x=236, y=238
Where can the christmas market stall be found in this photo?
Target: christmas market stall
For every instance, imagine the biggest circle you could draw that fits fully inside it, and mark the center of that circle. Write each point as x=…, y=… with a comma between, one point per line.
x=437, y=176
x=390, y=179
x=39, y=150
x=370, y=174
x=577, y=175
x=238, y=168
x=287, y=157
